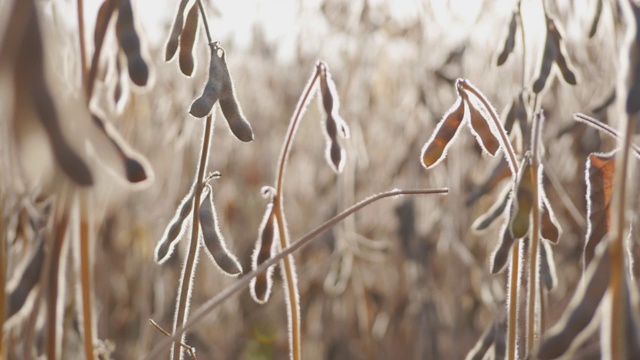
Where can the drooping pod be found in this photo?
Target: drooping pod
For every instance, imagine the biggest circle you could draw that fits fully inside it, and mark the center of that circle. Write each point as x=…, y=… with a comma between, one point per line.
x=547, y=266
x=188, y=38
x=260, y=287
x=202, y=106
x=20, y=288
x=554, y=52
x=176, y=29
x=510, y=41
x=500, y=254
x=173, y=232
x=548, y=57
x=331, y=105
x=230, y=106
x=130, y=44
x=497, y=209
x=213, y=240
x=550, y=227
x=436, y=148
x=479, y=124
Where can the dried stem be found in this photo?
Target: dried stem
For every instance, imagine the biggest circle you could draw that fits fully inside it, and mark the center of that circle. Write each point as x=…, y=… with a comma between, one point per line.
x=188, y=269
x=53, y=280
x=205, y=21
x=534, y=236
x=166, y=333
x=524, y=48
x=3, y=273
x=243, y=281
x=278, y=209
x=85, y=280
x=512, y=326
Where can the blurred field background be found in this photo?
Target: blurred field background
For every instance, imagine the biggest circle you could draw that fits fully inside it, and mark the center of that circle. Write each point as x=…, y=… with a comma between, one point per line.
x=418, y=286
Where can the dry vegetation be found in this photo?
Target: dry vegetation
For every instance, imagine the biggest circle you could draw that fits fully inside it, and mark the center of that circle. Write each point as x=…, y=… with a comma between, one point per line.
x=106, y=139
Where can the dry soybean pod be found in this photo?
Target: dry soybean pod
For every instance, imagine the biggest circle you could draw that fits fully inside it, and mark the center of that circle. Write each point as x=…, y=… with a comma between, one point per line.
x=213, y=239
x=497, y=209
x=26, y=280
x=173, y=231
x=435, y=149
x=561, y=56
x=548, y=58
x=510, y=41
x=479, y=124
x=550, y=229
x=130, y=44
x=331, y=104
x=174, y=37
x=230, y=106
x=523, y=201
x=260, y=287
x=188, y=38
x=202, y=106
x=500, y=255
x=581, y=309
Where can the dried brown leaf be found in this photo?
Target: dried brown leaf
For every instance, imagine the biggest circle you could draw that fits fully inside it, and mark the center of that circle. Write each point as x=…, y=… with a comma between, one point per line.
x=599, y=179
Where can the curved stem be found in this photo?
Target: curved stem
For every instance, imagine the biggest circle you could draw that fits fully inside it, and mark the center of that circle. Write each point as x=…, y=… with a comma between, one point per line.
x=188, y=269
x=205, y=21
x=243, y=281
x=278, y=208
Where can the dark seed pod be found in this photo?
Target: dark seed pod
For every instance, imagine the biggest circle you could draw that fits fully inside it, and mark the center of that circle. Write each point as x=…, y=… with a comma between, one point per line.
x=174, y=37
x=561, y=56
x=523, y=202
x=547, y=266
x=550, y=227
x=596, y=19
x=548, y=57
x=330, y=103
x=510, y=41
x=435, y=149
x=581, y=310
x=261, y=284
x=26, y=280
x=32, y=90
x=188, y=38
x=213, y=239
x=497, y=209
x=202, y=106
x=130, y=44
x=173, y=231
x=238, y=124
x=501, y=253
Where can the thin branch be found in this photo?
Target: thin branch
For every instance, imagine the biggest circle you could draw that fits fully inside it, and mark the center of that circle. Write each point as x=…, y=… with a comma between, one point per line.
x=182, y=307
x=205, y=21
x=190, y=349
x=243, y=281
x=604, y=128
x=85, y=280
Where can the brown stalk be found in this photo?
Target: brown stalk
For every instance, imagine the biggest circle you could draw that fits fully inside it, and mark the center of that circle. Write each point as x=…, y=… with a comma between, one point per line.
x=534, y=237
x=186, y=283
x=3, y=274
x=53, y=280
x=512, y=325
x=288, y=267
x=85, y=280
x=244, y=281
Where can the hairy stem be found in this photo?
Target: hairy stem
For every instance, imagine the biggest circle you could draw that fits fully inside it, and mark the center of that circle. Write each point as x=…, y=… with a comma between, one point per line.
x=604, y=128
x=512, y=324
x=205, y=21
x=244, y=281
x=182, y=307
x=534, y=237
x=278, y=208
